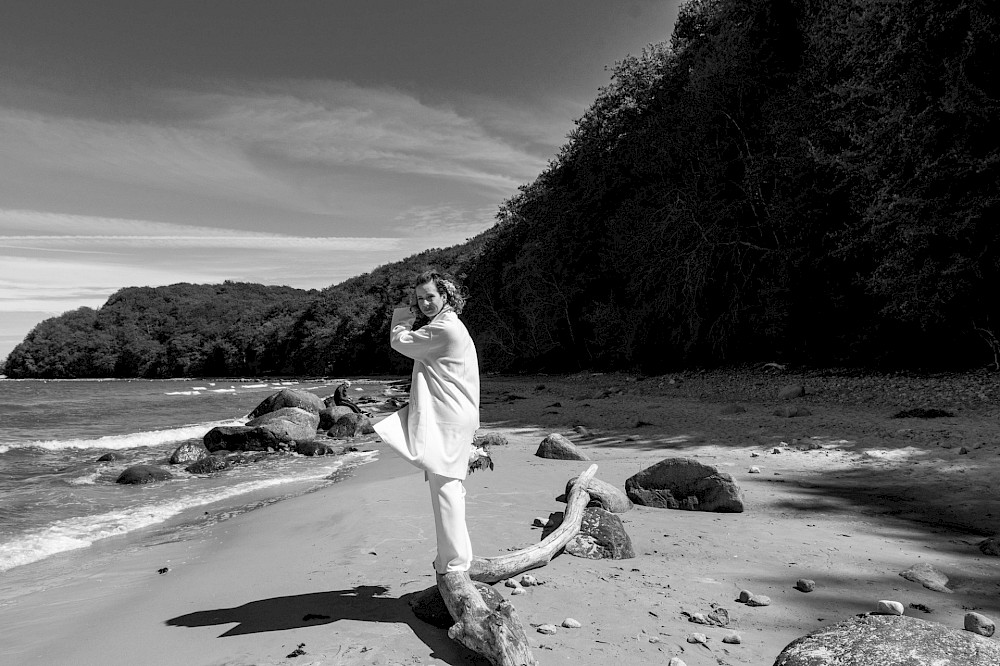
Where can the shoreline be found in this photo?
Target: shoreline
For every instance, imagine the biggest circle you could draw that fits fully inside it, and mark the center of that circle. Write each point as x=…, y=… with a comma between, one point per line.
x=334, y=569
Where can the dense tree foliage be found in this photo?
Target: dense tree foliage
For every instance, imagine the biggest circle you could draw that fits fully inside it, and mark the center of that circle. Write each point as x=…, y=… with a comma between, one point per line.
x=807, y=180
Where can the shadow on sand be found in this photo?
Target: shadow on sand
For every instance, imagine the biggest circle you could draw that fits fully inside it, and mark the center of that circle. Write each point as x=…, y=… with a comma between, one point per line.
x=365, y=603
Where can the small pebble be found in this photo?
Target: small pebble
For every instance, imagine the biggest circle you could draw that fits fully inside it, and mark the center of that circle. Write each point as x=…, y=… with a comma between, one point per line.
x=759, y=600
x=805, y=585
x=755, y=470
x=540, y=522
x=744, y=596
x=980, y=624
x=654, y=639
x=732, y=639
x=697, y=638
x=676, y=661
x=528, y=580
x=516, y=591
x=163, y=570
x=754, y=454
x=775, y=450
x=547, y=629
x=886, y=607
x=510, y=582
x=963, y=450
x=699, y=618
x=570, y=623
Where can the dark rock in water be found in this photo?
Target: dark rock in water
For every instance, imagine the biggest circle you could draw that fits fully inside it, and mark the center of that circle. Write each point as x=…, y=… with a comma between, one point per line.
x=990, y=546
x=310, y=402
x=188, y=452
x=557, y=447
x=111, y=457
x=329, y=415
x=218, y=462
x=791, y=411
x=350, y=425
x=317, y=447
x=922, y=413
x=678, y=482
x=927, y=576
x=602, y=536
x=792, y=391
x=138, y=474
x=429, y=605
x=602, y=494
x=890, y=640
x=733, y=409
x=240, y=438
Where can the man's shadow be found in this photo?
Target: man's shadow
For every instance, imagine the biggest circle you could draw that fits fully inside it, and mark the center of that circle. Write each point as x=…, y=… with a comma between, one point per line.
x=367, y=603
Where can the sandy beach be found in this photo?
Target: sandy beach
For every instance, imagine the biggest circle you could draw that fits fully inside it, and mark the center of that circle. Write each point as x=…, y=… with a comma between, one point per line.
x=847, y=496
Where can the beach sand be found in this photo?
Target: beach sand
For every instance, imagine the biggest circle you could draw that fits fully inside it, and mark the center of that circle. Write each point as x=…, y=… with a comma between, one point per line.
x=851, y=498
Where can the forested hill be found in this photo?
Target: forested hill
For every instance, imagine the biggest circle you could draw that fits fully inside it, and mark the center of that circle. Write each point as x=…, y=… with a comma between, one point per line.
x=804, y=180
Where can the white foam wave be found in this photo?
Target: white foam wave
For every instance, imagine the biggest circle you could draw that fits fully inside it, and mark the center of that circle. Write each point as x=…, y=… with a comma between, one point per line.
x=75, y=533
x=228, y=390
x=128, y=441
x=85, y=480
x=183, y=393
x=255, y=386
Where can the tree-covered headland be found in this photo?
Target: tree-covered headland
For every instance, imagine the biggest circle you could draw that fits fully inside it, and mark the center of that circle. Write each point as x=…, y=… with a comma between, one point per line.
x=803, y=180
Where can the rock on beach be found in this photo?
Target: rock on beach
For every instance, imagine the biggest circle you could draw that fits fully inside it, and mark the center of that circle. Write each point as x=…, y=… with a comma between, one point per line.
x=880, y=640
x=557, y=447
x=671, y=482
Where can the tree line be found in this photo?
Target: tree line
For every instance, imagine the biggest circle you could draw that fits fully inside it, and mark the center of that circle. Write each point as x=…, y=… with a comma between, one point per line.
x=800, y=180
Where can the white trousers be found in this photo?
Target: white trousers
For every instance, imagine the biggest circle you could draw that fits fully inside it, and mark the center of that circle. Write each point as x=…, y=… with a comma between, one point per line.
x=454, y=548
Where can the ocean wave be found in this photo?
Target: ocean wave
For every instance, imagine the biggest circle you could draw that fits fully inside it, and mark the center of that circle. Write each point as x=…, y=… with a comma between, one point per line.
x=81, y=532
x=128, y=441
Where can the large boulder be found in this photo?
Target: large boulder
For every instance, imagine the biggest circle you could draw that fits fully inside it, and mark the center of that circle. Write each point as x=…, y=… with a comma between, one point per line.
x=557, y=447
x=310, y=402
x=288, y=423
x=188, y=452
x=884, y=640
x=350, y=425
x=329, y=415
x=602, y=494
x=138, y=474
x=683, y=483
x=602, y=536
x=241, y=438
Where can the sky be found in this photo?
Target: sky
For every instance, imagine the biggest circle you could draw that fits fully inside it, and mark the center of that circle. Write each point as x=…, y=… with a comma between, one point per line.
x=291, y=142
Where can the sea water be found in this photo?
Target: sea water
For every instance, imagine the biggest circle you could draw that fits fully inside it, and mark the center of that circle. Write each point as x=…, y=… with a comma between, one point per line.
x=56, y=497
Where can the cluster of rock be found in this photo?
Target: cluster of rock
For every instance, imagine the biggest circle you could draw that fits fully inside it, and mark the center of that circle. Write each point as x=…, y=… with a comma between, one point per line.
x=287, y=421
x=672, y=483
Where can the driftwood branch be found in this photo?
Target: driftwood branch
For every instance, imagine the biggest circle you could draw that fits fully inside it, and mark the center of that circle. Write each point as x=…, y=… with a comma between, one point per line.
x=497, y=635
x=502, y=567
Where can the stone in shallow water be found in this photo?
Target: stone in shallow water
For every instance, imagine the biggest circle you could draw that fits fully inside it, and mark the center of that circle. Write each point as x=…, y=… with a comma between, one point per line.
x=889, y=640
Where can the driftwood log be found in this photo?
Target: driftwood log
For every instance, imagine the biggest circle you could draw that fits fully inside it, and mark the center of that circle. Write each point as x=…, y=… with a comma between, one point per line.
x=502, y=567
x=498, y=635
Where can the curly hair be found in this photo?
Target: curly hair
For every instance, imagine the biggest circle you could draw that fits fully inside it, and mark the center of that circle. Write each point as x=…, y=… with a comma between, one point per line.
x=446, y=285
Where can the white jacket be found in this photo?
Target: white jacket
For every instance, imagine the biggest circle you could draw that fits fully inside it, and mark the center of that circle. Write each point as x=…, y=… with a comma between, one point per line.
x=435, y=431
